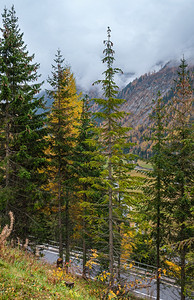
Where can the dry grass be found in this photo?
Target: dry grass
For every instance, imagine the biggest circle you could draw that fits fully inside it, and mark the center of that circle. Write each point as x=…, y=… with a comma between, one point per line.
x=6, y=231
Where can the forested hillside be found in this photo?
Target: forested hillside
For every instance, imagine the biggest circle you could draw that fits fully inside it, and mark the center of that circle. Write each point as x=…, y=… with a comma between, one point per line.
x=68, y=171
x=139, y=96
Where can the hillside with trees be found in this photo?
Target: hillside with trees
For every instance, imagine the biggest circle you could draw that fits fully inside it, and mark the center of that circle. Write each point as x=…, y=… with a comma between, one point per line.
x=140, y=95
x=68, y=173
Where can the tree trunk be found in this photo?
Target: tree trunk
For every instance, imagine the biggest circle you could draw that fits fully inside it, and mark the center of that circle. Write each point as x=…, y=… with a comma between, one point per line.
x=182, y=236
x=84, y=245
x=110, y=229
x=110, y=237
x=60, y=219
x=110, y=204
x=182, y=256
x=7, y=154
x=158, y=259
x=67, y=246
x=84, y=258
x=119, y=240
x=158, y=238
x=119, y=262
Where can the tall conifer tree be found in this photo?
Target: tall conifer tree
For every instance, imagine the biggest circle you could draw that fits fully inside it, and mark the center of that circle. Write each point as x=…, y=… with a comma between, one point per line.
x=63, y=123
x=113, y=141
x=88, y=174
x=155, y=186
x=22, y=127
x=179, y=176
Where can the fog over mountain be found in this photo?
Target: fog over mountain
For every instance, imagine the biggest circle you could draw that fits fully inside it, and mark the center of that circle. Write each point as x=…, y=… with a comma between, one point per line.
x=145, y=33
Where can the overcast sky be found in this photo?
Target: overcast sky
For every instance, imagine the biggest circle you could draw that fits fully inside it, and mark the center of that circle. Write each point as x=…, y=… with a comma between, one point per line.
x=144, y=33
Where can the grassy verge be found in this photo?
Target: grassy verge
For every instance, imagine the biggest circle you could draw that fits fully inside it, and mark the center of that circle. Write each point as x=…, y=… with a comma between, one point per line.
x=22, y=276
x=144, y=164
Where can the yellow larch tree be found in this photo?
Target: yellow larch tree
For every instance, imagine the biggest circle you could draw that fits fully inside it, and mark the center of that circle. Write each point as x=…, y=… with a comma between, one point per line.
x=63, y=123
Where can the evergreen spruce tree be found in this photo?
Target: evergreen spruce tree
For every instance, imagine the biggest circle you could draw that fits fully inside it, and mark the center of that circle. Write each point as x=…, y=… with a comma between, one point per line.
x=155, y=187
x=22, y=128
x=179, y=176
x=113, y=141
x=88, y=174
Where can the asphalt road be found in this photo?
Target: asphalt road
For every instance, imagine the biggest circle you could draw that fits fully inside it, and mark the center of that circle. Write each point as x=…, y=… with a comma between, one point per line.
x=168, y=291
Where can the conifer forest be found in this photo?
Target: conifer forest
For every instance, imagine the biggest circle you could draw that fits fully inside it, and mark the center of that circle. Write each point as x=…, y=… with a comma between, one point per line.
x=69, y=173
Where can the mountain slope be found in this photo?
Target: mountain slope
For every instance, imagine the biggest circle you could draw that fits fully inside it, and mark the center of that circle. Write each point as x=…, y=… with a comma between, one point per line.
x=139, y=95
x=141, y=91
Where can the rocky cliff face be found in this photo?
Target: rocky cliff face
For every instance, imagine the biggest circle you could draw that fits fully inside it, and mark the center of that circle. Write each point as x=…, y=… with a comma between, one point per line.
x=140, y=93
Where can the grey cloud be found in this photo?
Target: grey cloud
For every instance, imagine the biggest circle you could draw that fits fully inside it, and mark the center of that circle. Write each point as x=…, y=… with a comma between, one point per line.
x=143, y=32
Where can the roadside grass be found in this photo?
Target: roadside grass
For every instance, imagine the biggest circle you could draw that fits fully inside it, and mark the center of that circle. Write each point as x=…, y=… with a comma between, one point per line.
x=144, y=164
x=22, y=276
